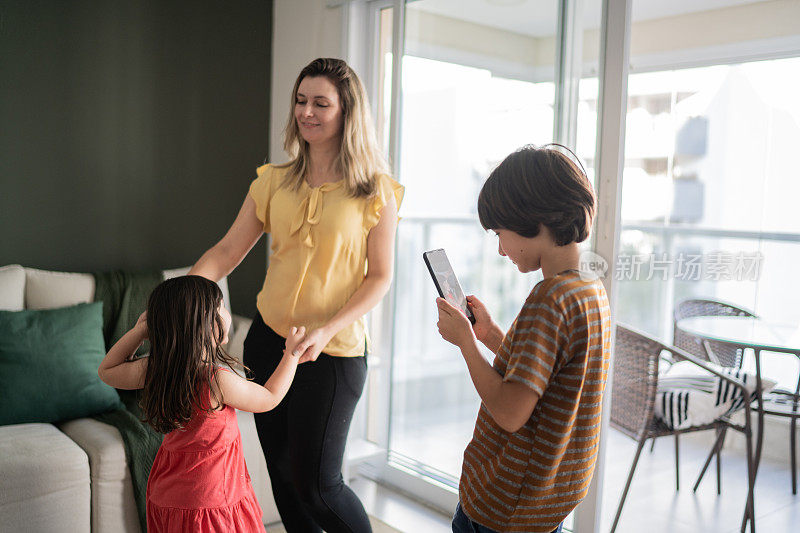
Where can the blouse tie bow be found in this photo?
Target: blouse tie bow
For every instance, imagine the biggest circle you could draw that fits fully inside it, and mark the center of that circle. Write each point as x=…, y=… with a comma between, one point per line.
x=309, y=214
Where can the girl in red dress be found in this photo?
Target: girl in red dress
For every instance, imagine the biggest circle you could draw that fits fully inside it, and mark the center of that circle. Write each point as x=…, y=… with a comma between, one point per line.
x=199, y=481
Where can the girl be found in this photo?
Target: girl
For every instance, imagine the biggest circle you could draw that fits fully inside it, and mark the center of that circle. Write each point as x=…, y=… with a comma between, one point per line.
x=199, y=481
x=331, y=212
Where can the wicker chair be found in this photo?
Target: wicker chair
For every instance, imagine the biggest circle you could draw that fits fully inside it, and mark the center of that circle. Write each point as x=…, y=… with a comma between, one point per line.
x=635, y=384
x=716, y=352
x=785, y=403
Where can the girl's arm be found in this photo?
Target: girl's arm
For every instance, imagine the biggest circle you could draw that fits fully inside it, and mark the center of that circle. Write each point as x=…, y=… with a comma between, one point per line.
x=117, y=369
x=249, y=396
x=380, y=261
x=223, y=257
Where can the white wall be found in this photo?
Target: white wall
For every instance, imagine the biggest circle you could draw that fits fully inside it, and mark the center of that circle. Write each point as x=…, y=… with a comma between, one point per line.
x=303, y=30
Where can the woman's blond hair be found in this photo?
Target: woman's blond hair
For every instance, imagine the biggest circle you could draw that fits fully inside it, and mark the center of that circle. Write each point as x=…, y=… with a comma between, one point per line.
x=360, y=159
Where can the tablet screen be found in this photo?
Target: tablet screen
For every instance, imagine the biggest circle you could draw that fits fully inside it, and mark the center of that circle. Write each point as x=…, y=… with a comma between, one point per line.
x=446, y=281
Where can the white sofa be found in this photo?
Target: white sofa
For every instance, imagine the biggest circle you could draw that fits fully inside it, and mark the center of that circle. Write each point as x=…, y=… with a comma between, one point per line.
x=73, y=476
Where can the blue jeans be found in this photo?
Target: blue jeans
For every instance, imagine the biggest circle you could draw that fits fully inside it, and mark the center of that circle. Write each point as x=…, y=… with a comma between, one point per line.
x=462, y=524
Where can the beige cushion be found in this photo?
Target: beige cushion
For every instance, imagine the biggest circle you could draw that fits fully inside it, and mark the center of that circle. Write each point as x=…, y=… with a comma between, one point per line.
x=223, y=283
x=239, y=329
x=12, y=288
x=44, y=484
x=45, y=289
x=257, y=466
x=113, y=503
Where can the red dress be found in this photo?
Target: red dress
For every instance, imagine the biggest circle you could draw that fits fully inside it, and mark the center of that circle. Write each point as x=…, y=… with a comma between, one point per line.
x=199, y=481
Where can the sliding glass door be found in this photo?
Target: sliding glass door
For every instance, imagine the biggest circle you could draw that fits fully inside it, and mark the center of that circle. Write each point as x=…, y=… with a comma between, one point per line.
x=477, y=83
x=474, y=81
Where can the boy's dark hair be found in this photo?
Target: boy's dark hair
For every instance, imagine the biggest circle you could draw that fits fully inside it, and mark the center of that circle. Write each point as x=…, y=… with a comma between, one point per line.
x=183, y=324
x=534, y=186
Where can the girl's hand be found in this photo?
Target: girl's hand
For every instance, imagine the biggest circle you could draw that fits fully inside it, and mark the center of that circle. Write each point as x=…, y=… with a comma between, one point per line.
x=454, y=326
x=141, y=323
x=313, y=344
x=483, y=321
x=295, y=336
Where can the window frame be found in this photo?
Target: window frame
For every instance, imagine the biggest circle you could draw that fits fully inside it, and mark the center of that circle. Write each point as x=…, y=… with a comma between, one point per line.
x=361, y=26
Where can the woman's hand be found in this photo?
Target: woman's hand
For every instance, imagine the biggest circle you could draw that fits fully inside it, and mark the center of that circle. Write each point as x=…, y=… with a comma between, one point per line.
x=454, y=326
x=295, y=336
x=313, y=344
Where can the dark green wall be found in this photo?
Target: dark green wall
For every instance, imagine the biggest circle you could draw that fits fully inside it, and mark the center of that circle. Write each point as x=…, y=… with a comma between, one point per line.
x=130, y=130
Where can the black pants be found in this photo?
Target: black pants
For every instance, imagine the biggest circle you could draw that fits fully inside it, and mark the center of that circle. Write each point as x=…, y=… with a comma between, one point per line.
x=304, y=437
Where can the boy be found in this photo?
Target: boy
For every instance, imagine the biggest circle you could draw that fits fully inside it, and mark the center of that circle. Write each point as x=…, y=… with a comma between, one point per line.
x=535, y=442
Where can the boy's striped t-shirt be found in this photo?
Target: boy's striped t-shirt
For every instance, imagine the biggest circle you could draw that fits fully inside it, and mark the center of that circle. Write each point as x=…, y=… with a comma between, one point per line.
x=558, y=346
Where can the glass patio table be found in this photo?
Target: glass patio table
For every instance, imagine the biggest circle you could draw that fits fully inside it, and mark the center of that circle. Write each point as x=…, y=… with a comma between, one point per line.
x=758, y=335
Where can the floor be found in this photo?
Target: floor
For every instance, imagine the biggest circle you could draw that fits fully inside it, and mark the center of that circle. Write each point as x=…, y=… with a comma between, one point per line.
x=653, y=504
x=398, y=510
x=391, y=512
x=653, y=500
x=378, y=526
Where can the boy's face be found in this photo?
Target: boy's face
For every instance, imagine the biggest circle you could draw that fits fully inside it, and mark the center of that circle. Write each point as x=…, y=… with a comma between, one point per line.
x=525, y=252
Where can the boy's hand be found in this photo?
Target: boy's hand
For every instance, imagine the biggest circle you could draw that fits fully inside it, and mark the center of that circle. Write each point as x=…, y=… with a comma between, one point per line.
x=295, y=336
x=483, y=321
x=454, y=326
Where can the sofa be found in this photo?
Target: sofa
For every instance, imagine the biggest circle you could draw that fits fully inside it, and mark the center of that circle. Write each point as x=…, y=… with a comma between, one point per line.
x=73, y=475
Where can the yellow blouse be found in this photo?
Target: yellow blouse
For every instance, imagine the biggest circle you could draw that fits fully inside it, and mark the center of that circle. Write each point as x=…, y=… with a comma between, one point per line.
x=319, y=253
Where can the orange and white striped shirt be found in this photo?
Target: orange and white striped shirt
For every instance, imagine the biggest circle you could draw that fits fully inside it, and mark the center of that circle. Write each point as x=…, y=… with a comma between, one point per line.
x=558, y=346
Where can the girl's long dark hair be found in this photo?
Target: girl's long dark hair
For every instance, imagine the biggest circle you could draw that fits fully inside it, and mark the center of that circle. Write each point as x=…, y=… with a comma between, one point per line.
x=185, y=332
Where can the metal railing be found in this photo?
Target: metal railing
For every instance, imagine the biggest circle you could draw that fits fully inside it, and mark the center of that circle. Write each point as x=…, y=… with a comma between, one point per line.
x=666, y=233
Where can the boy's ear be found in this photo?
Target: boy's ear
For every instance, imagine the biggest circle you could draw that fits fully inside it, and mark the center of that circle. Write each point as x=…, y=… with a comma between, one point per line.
x=544, y=230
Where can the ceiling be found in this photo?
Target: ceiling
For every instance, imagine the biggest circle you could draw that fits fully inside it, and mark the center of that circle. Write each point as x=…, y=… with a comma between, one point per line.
x=537, y=18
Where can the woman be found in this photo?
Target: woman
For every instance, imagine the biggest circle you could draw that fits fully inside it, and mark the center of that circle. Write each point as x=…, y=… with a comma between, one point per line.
x=332, y=215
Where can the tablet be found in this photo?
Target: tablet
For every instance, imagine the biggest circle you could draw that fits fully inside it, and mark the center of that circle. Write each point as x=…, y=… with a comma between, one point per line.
x=445, y=280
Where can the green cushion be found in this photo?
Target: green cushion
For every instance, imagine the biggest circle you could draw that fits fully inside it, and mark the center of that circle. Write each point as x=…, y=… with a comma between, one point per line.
x=48, y=365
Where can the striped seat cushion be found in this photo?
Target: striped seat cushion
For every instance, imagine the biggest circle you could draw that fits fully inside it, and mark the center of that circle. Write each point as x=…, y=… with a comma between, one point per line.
x=689, y=396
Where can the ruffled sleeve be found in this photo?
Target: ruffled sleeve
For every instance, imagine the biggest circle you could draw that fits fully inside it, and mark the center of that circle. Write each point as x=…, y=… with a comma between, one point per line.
x=261, y=192
x=387, y=187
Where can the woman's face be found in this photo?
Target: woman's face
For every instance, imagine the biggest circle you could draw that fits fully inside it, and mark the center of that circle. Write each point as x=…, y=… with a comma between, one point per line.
x=318, y=111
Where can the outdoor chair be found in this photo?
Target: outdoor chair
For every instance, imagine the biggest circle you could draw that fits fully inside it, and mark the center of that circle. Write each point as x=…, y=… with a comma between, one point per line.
x=635, y=387
x=777, y=402
x=716, y=352
x=785, y=403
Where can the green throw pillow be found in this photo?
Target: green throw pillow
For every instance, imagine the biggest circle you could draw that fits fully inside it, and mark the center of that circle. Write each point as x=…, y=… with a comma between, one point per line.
x=48, y=365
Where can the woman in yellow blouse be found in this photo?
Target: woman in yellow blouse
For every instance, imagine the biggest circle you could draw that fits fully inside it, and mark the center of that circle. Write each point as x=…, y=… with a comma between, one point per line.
x=332, y=215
